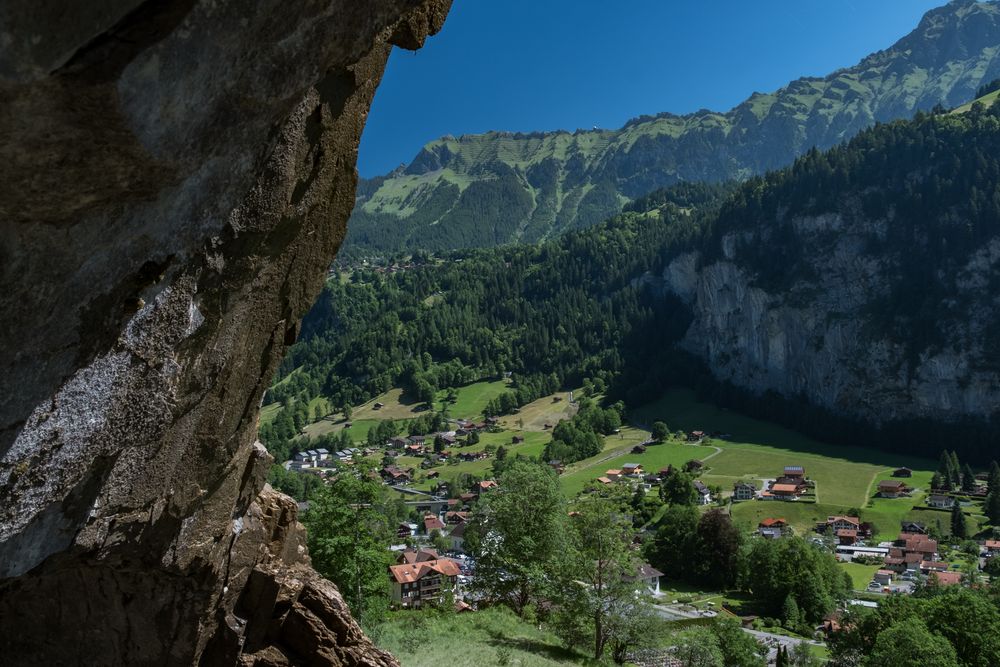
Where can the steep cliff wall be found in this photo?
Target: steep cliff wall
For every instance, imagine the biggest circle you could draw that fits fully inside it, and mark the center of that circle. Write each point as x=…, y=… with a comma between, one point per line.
x=174, y=179
x=864, y=279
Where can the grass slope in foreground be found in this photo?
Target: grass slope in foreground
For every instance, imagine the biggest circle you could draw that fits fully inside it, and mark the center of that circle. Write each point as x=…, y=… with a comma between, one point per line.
x=479, y=638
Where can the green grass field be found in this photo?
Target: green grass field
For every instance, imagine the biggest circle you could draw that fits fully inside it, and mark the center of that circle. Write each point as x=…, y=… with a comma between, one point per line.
x=472, y=398
x=426, y=639
x=845, y=476
x=861, y=575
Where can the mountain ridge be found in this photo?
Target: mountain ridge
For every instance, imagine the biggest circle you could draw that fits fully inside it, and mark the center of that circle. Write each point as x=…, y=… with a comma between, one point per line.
x=530, y=186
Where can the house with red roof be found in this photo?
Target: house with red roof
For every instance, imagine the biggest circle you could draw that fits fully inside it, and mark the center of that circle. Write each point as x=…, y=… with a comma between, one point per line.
x=419, y=583
x=772, y=528
x=432, y=523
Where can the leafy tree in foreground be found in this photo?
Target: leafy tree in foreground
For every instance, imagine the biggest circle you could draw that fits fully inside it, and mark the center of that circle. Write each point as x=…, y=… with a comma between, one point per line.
x=678, y=489
x=673, y=545
x=516, y=533
x=592, y=584
x=348, y=533
x=699, y=647
x=909, y=643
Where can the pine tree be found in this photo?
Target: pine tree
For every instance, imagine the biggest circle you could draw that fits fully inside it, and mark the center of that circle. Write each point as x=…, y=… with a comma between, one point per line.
x=956, y=471
x=994, y=480
x=944, y=470
x=936, y=481
x=992, y=507
x=968, y=479
x=958, y=522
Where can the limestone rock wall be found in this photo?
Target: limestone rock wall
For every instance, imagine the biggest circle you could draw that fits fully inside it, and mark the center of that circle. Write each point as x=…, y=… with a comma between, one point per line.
x=816, y=339
x=175, y=177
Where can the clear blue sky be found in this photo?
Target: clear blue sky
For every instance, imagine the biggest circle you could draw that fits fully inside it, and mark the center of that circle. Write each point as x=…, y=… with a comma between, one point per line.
x=523, y=65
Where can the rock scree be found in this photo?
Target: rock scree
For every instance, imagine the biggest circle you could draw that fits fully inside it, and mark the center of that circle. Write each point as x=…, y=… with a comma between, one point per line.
x=175, y=178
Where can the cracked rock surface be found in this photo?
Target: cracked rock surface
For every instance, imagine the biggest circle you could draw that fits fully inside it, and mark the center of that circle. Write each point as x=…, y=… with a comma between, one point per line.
x=175, y=177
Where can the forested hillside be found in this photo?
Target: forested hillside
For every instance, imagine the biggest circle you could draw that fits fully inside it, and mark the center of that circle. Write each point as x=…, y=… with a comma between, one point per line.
x=875, y=263
x=485, y=190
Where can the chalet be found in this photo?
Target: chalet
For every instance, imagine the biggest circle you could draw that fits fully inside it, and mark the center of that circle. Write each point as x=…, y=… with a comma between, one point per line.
x=919, y=545
x=665, y=472
x=613, y=474
x=785, y=491
x=397, y=442
x=432, y=523
x=991, y=548
x=704, y=494
x=772, y=528
x=632, y=470
x=795, y=472
x=406, y=530
x=846, y=536
x=433, y=474
x=455, y=517
x=322, y=454
x=695, y=436
x=890, y=489
x=416, y=584
x=414, y=450
x=836, y=523
x=604, y=480
x=516, y=439
x=484, y=486
x=378, y=405
x=639, y=449
x=457, y=537
x=467, y=498
x=396, y=475
x=694, y=465
x=647, y=575
x=744, y=491
x=928, y=566
x=940, y=501
x=557, y=466
x=914, y=527
x=902, y=472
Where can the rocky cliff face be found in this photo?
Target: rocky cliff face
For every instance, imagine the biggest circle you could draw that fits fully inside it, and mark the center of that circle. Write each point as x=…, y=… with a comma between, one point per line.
x=175, y=178
x=819, y=338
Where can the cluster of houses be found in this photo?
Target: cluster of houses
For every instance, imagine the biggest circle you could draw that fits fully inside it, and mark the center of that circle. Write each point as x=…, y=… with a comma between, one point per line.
x=633, y=473
x=318, y=459
x=791, y=485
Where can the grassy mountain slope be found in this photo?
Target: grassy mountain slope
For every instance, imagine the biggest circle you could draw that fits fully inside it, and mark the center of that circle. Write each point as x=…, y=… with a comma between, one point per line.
x=488, y=189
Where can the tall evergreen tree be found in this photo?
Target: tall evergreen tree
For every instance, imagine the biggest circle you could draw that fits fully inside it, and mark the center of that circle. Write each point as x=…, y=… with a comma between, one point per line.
x=968, y=479
x=994, y=480
x=956, y=471
x=958, y=529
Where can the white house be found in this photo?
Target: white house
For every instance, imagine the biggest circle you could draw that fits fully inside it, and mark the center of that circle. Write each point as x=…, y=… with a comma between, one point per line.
x=744, y=491
x=704, y=495
x=940, y=502
x=648, y=575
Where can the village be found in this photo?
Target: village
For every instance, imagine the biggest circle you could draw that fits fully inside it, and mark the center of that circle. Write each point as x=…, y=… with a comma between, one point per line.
x=891, y=535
